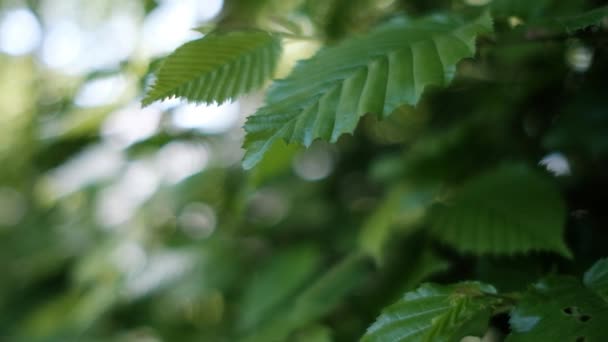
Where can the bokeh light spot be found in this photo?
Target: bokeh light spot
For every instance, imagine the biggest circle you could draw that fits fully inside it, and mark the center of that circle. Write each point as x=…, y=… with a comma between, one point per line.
x=314, y=163
x=20, y=32
x=556, y=163
x=579, y=58
x=198, y=220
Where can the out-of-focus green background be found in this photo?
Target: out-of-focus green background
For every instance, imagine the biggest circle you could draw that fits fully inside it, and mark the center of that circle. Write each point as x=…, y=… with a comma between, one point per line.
x=106, y=208
x=123, y=223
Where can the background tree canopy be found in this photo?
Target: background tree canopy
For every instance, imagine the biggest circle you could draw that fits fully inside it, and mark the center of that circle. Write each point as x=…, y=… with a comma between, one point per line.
x=303, y=170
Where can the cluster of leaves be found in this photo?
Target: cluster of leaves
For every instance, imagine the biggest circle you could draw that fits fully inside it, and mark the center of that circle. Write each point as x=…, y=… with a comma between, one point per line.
x=461, y=145
x=558, y=308
x=506, y=208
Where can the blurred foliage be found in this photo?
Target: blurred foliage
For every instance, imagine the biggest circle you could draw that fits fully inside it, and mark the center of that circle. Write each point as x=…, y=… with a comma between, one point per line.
x=119, y=223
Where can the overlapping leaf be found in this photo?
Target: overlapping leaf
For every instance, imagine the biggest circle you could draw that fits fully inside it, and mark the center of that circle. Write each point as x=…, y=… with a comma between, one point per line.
x=325, y=96
x=435, y=313
x=508, y=210
x=563, y=309
x=217, y=67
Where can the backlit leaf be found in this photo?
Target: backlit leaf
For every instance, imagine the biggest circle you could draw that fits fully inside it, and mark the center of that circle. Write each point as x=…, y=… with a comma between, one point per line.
x=325, y=96
x=217, y=67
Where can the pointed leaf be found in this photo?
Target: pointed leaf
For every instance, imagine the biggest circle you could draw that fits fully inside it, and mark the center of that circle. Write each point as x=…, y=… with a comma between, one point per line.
x=511, y=209
x=325, y=96
x=217, y=67
x=435, y=313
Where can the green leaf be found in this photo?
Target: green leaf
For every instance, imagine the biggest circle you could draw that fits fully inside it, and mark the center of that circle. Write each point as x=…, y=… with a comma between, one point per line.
x=337, y=18
x=559, y=309
x=325, y=96
x=435, y=313
x=330, y=288
x=404, y=206
x=286, y=273
x=314, y=301
x=217, y=67
x=508, y=210
x=596, y=278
